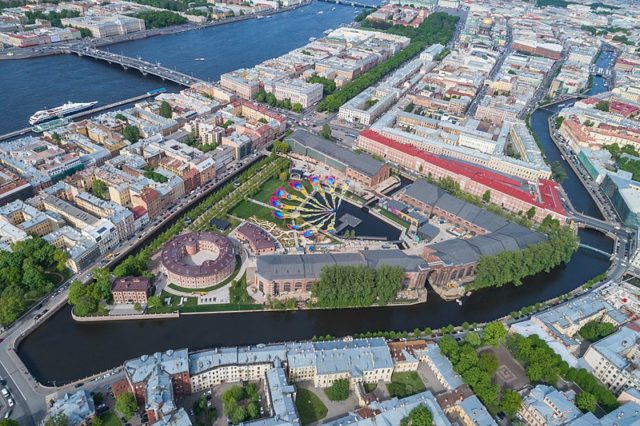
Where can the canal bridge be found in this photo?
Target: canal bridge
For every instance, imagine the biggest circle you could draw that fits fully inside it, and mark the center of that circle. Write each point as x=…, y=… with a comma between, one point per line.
x=145, y=67
x=595, y=249
x=351, y=3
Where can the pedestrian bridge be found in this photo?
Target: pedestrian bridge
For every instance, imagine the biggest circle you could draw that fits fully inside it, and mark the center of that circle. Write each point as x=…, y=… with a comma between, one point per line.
x=597, y=250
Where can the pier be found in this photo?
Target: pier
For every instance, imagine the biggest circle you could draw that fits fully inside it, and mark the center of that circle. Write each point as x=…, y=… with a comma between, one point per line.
x=81, y=114
x=145, y=67
x=351, y=3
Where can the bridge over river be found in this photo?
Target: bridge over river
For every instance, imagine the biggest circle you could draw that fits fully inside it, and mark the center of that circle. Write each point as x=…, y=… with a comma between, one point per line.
x=145, y=67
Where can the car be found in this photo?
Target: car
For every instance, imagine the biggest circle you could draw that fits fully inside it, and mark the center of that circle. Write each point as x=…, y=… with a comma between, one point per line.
x=10, y=402
x=77, y=385
x=5, y=392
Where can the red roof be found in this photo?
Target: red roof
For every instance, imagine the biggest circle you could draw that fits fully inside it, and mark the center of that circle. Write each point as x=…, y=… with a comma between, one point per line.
x=513, y=187
x=622, y=108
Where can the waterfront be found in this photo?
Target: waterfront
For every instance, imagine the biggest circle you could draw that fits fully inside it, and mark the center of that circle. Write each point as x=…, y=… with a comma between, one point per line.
x=579, y=196
x=54, y=80
x=58, y=351
x=60, y=348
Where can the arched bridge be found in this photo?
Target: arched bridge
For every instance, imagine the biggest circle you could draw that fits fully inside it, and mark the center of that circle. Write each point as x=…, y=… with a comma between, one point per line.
x=139, y=64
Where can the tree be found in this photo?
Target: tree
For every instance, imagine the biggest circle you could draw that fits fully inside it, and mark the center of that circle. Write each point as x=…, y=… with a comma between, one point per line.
x=131, y=133
x=297, y=107
x=338, y=391
x=9, y=422
x=596, y=330
x=137, y=306
x=472, y=338
x=486, y=197
x=419, y=416
x=57, y=420
x=558, y=171
x=326, y=132
x=511, y=402
x=602, y=106
x=100, y=189
x=586, y=402
x=494, y=333
x=154, y=302
x=165, y=109
x=121, y=117
x=55, y=138
x=127, y=405
x=531, y=213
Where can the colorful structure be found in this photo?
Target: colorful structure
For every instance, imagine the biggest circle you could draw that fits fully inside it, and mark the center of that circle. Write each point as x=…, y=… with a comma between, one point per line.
x=309, y=211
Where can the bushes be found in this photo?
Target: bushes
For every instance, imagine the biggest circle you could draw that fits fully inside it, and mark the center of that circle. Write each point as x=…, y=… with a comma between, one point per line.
x=338, y=391
x=596, y=330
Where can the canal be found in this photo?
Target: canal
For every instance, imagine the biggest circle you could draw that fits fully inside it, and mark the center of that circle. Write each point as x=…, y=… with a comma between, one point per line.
x=579, y=196
x=62, y=350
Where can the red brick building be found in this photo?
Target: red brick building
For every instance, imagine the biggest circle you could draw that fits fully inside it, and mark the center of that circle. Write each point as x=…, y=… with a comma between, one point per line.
x=130, y=290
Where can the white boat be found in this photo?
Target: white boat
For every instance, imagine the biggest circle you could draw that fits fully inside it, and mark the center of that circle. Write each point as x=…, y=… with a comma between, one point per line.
x=259, y=17
x=333, y=8
x=312, y=39
x=321, y=12
x=199, y=59
x=59, y=112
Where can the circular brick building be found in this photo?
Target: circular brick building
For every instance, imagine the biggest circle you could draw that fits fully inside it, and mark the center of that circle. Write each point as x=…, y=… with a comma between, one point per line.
x=198, y=259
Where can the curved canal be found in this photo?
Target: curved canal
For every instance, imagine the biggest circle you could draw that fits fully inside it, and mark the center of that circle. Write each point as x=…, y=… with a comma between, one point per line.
x=62, y=350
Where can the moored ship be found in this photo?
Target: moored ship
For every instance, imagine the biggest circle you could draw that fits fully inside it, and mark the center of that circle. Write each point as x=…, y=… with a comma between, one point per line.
x=59, y=112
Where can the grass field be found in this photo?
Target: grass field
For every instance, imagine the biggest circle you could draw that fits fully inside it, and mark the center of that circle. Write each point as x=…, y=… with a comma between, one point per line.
x=246, y=209
x=405, y=384
x=267, y=189
x=309, y=406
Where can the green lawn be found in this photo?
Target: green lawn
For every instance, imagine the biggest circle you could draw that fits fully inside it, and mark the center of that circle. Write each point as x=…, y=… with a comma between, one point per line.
x=191, y=305
x=246, y=209
x=405, y=384
x=110, y=419
x=267, y=189
x=309, y=406
x=370, y=387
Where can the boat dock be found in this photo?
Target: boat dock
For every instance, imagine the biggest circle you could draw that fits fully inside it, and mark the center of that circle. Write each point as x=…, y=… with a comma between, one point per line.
x=81, y=114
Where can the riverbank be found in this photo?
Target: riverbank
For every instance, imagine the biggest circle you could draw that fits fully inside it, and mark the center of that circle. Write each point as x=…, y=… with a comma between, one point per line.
x=52, y=49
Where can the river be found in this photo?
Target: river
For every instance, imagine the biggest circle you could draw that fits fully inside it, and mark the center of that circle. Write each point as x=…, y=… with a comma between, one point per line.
x=62, y=350
x=28, y=85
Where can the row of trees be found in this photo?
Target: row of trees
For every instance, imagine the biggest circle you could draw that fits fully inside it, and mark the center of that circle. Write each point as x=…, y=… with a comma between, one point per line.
x=138, y=264
x=55, y=18
x=26, y=275
x=477, y=370
x=514, y=266
x=345, y=286
x=270, y=99
x=175, y=5
x=543, y=365
x=437, y=28
x=160, y=19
